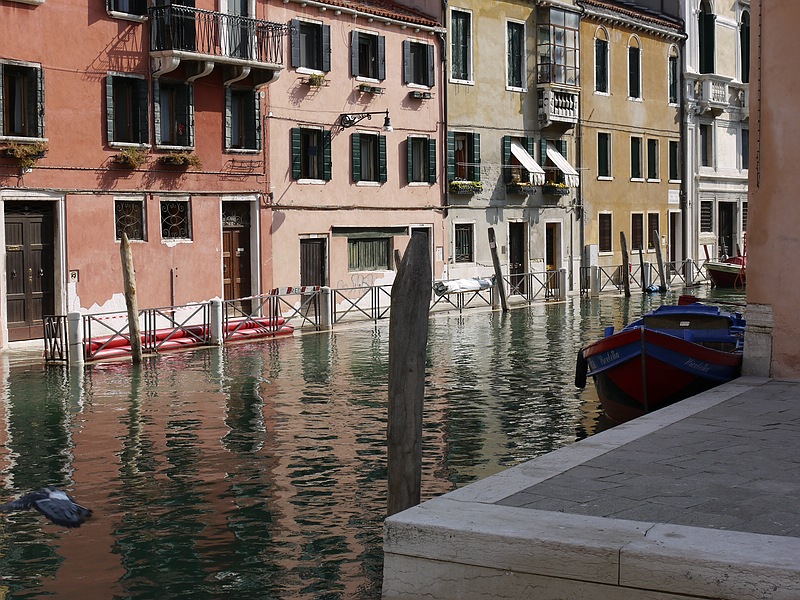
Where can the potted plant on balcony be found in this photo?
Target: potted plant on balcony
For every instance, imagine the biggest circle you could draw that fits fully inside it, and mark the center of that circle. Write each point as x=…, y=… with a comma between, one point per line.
x=180, y=159
x=461, y=186
x=26, y=154
x=131, y=158
x=316, y=80
x=517, y=186
x=553, y=188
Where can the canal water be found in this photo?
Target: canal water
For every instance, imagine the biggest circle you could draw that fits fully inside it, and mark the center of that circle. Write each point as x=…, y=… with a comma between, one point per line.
x=259, y=470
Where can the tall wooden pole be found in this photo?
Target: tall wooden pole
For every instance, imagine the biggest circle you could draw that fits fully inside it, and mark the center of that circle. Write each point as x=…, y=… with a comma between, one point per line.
x=663, y=287
x=408, y=339
x=129, y=281
x=626, y=265
x=498, y=273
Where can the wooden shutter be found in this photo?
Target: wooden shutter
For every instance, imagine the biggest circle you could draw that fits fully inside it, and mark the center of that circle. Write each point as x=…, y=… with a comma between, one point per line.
x=110, y=108
x=188, y=92
x=382, y=175
x=295, y=33
x=431, y=68
x=410, y=160
x=381, y=57
x=34, y=81
x=144, y=109
x=475, y=168
x=355, y=153
x=530, y=146
x=506, y=158
x=229, y=117
x=326, y=156
x=451, y=156
x=157, y=109
x=257, y=117
x=354, y=37
x=408, y=64
x=297, y=167
x=326, y=48
x=431, y=160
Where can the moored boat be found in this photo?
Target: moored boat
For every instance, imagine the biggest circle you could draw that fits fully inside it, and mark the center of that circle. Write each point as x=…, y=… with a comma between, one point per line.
x=666, y=356
x=729, y=273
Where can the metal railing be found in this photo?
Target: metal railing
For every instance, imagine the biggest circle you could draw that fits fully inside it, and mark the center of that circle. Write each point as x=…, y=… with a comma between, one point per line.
x=461, y=300
x=371, y=303
x=165, y=325
x=56, y=347
x=194, y=30
x=299, y=306
x=533, y=286
x=686, y=272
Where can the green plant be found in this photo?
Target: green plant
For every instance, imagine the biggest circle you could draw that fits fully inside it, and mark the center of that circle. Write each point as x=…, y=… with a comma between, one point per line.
x=181, y=159
x=316, y=80
x=460, y=186
x=26, y=154
x=131, y=157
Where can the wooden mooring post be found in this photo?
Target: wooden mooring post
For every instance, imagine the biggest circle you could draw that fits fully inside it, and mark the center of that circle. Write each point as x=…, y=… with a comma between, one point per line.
x=626, y=266
x=408, y=339
x=498, y=273
x=129, y=282
x=663, y=287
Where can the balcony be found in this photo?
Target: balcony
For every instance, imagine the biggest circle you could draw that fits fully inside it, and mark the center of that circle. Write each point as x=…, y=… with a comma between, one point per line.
x=557, y=106
x=711, y=93
x=183, y=33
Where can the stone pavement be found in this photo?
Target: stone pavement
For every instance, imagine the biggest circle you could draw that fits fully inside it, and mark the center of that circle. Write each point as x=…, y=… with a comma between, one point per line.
x=697, y=500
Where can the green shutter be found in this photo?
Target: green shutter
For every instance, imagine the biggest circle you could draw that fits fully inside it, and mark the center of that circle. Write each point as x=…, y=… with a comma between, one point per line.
x=37, y=85
x=295, y=33
x=382, y=174
x=381, y=57
x=476, y=157
x=562, y=148
x=110, y=108
x=257, y=119
x=431, y=67
x=296, y=156
x=531, y=148
x=355, y=153
x=144, y=129
x=408, y=70
x=451, y=156
x=410, y=160
x=326, y=156
x=431, y=160
x=542, y=152
x=354, y=36
x=228, y=117
x=157, y=109
x=189, y=114
x=506, y=158
x=326, y=48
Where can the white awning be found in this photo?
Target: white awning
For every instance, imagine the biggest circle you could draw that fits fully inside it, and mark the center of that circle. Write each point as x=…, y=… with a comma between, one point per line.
x=526, y=160
x=570, y=174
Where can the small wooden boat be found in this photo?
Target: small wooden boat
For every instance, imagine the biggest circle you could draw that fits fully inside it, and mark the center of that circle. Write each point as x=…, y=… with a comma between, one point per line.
x=668, y=355
x=728, y=273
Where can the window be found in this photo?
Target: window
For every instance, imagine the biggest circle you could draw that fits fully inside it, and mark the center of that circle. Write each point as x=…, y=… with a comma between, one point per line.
x=604, y=232
x=707, y=24
x=603, y=154
x=558, y=46
x=553, y=172
x=674, y=76
x=126, y=109
x=421, y=160
x=463, y=237
x=744, y=46
x=636, y=158
x=674, y=161
x=311, y=154
x=463, y=156
x=637, y=231
x=744, y=216
x=174, y=113
x=242, y=119
x=601, y=61
x=369, y=254
x=129, y=218
x=652, y=230
x=176, y=220
x=368, y=55
x=706, y=148
x=461, y=45
x=745, y=148
x=418, y=63
x=515, y=63
x=311, y=45
x=634, y=69
x=652, y=159
x=22, y=100
x=513, y=170
x=130, y=7
x=706, y=216
x=369, y=157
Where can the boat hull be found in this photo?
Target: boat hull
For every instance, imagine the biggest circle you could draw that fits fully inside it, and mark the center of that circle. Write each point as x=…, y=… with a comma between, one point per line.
x=731, y=274
x=640, y=370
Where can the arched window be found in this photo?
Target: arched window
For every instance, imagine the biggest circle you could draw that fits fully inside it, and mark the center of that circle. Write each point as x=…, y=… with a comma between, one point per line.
x=744, y=46
x=634, y=68
x=601, y=61
x=706, y=23
x=673, y=70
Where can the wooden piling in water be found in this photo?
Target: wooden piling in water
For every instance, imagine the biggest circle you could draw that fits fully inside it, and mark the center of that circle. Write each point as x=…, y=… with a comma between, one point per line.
x=626, y=265
x=408, y=339
x=663, y=286
x=498, y=273
x=129, y=283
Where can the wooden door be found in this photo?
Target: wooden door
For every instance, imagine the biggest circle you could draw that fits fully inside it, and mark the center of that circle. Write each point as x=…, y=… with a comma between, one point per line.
x=29, y=269
x=236, y=266
x=517, y=259
x=551, y=258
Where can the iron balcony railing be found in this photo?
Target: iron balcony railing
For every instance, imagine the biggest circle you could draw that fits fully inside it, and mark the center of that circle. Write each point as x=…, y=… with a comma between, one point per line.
x=195, y=31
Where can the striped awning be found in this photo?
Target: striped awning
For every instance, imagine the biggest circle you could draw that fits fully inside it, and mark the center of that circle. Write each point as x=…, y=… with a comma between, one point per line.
x=570, y=174
x=526, y=160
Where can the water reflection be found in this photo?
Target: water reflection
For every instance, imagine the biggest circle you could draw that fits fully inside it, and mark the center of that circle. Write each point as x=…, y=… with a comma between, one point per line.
x=260, y=469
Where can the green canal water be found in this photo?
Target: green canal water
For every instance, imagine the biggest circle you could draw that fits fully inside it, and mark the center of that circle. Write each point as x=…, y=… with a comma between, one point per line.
x=259, y=470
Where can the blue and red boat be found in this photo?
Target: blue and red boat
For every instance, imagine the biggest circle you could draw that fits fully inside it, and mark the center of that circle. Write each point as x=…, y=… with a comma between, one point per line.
x=668, y=355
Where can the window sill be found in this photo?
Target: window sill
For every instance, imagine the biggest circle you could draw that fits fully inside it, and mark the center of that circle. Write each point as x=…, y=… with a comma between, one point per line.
x=32, y=2
x=605, y=253
x=637, y=180
x=311, y=182
x=246, y=151
x=653, y=180
x=676, y=181
x=175, y=241
x=120, y=145
x=513, y=88
x=600, y=93
x=368, y=183
x=462, y=81
x=309, y=71
x=123, y=16
x=418, y=86
x=362, y=79
x=22, y=140
x=604, y=178
x=419, y=184
x=633, y=99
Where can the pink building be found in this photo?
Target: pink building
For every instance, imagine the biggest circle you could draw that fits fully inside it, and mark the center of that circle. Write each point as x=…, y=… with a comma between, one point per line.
x=772, y=346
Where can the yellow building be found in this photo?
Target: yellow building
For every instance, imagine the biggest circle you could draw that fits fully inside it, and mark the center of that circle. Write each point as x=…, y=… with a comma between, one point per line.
x=630, y=134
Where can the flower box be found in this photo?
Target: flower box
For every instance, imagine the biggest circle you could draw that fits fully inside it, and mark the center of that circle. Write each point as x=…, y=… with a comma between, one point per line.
x=520, y=187
x=131, y=158
x=555, y=190
x=26, y=154
x=466, y=188
x=180, y=159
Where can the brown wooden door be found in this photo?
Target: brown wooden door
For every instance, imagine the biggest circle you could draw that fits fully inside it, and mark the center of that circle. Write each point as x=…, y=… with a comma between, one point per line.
x=312, y=262
x=517, y=256
x=236, y=265
x=29, y=269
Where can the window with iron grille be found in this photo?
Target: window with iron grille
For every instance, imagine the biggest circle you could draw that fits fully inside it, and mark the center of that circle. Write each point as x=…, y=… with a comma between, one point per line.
x=744, y=216
x=637, y=231
x=176, y=220
x=706, y=216
x=22, y=100
x=368, y=254
x=127, y=109
x=652, y=230
x=129, y=218
x=463, y=237
x=604, y=232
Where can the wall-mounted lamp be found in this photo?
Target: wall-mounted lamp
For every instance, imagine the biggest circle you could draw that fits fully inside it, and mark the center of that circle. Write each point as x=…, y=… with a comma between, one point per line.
x=349, y=119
